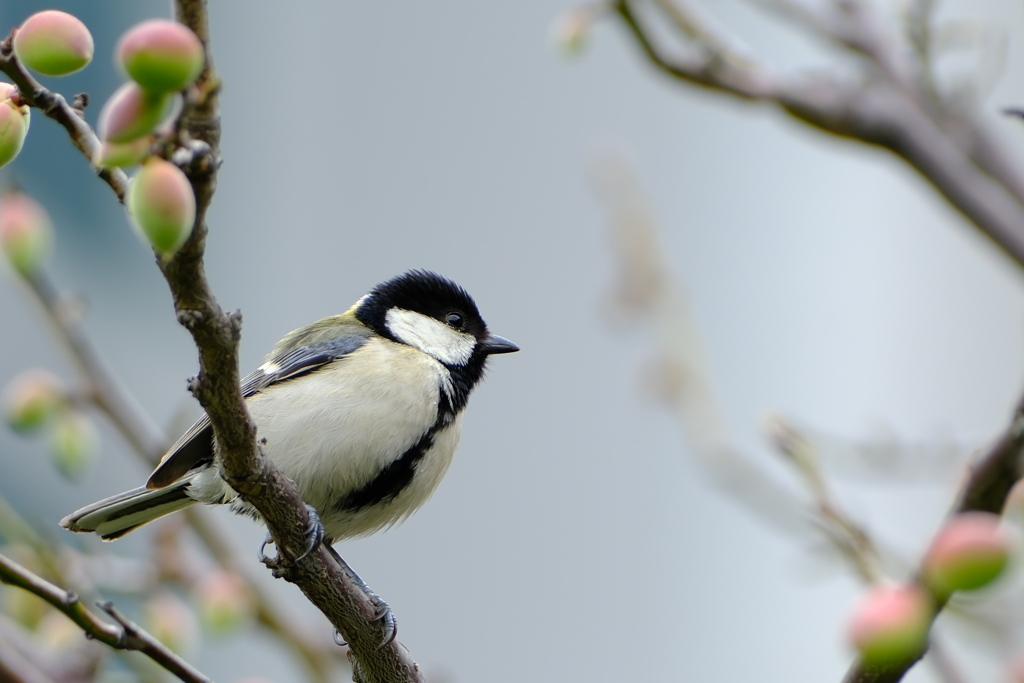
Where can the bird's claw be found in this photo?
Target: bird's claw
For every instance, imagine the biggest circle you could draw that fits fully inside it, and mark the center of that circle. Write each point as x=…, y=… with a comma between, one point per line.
x=386, y=616
x=260, y=554
x=384, y=613
x=314, y=533
x=314, y=537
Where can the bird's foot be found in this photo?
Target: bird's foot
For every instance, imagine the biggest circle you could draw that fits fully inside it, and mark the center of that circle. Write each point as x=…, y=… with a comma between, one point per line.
x=314, y=533
x=314, y=537
x=383, y=609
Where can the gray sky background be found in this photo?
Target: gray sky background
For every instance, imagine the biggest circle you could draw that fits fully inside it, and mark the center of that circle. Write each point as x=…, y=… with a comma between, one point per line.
x=574, y=538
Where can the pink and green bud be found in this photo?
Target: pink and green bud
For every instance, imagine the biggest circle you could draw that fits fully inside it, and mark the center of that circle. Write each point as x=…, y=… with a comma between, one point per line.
x=14, y=121
x=73, y=444
x=19, y=605
x=968, y=553
x=172, y=622
x=890, y=624
x=31, y=399
x=53, y=43
x=26, y=233
x=571, y=30
x=162, y=205
x=161, y=55
x=225, y=602
x=1015, y=669
x=132, y=113
x=122, y=154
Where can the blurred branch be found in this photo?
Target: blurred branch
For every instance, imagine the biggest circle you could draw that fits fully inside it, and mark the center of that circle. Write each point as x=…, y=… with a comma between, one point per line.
x=894, y=104
x=54, y=106
x=888, y=106
x=684, y=382
x=710, y=65
x=986, y=489
x=681, y=378
x=102, y=387
x=123, y=635
x=848, y=537
x=147, y=440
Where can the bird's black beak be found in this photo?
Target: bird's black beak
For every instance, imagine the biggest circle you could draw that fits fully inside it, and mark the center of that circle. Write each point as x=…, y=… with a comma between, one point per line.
x=496, y=344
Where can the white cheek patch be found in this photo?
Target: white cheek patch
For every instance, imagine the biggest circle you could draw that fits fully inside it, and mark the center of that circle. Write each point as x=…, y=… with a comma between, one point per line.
x=430, y=336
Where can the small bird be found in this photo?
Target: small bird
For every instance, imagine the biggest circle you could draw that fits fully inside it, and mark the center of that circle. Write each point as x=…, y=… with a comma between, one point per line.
x=361, y=410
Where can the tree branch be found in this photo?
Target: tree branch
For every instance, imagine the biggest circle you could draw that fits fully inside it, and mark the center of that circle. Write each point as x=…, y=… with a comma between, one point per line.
x=986, y=490
x=647, y=291
x=195, y=147
x=885, y=108
x=217, y=387
x=124, y=635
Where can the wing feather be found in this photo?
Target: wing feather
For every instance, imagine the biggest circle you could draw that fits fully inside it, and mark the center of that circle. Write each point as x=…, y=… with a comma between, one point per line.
x=195, y=446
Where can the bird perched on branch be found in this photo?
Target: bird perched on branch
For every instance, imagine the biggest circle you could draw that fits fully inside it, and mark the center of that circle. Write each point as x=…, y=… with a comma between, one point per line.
x=361, y=410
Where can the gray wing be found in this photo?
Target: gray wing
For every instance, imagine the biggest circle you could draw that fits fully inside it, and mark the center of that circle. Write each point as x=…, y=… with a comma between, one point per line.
x=195, y=447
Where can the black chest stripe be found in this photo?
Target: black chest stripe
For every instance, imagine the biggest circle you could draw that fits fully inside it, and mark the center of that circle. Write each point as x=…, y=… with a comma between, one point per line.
x=393, y=479
x=390, y=481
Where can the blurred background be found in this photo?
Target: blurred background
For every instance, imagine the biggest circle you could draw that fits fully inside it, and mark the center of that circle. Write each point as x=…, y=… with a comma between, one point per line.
x=575, y=537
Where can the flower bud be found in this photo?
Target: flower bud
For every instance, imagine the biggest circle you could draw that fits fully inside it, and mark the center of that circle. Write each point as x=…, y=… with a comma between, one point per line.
x=122, y=154
x=19, y=605
x=14, y=122
x=131, y=113
x=73, y=444
x=570, y=31
x=225, y=601
x=172, y=622
x=890, y=624
x=1015, y=669
x=53, y=43
x=31, y=399
x=969, y=552
x=26, y=233
x=161, y=55
x=58, y=633
x=162, y=205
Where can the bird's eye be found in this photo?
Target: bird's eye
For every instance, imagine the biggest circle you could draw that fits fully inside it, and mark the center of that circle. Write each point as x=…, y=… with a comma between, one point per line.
x=454, y=320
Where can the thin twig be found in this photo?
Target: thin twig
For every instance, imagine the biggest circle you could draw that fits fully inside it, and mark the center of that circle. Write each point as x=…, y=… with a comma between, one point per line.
x=707, y=67
x=847, y=535
x=124, y=635
x=102, y=386
x=697, y=25
x=54, y=106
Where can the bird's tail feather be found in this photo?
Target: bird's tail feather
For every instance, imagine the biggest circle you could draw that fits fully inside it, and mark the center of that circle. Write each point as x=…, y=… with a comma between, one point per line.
x=114, y=517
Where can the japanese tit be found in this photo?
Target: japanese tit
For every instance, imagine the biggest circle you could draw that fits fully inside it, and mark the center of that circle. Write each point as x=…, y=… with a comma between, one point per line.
x=361, y=410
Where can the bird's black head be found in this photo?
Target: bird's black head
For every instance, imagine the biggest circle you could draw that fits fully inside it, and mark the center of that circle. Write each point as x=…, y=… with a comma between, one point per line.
x=432, y=313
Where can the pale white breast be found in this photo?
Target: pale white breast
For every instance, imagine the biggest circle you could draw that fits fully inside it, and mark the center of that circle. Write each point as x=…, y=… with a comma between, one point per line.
x=334, y=430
